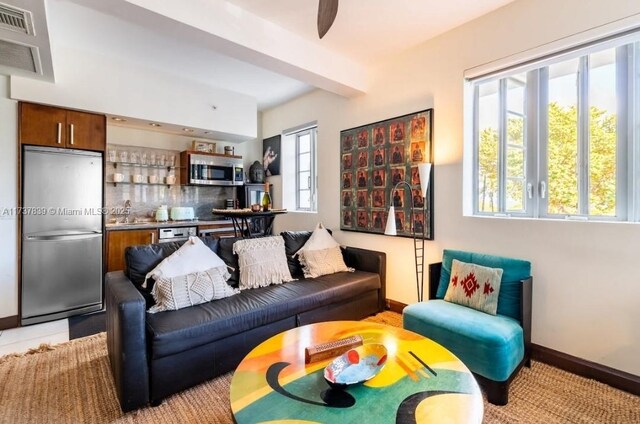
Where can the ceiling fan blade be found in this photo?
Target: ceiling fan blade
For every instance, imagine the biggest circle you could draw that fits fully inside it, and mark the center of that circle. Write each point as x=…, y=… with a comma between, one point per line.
x=327, y=11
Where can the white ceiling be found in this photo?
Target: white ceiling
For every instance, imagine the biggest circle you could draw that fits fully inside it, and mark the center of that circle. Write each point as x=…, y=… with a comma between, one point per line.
x=366, y=30
x=268, y=49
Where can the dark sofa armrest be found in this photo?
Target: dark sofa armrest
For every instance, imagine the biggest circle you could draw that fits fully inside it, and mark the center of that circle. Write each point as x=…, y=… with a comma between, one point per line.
x=434, y=279
x=370, y=261
x=126, y=341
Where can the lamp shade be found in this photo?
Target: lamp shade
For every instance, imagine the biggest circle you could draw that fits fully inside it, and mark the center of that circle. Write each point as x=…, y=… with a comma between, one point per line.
x=424, y=170
x=390, y=229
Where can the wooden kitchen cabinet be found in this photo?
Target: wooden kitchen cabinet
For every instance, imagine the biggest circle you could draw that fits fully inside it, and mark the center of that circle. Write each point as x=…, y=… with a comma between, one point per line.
x=57, y=127
x=118, y=240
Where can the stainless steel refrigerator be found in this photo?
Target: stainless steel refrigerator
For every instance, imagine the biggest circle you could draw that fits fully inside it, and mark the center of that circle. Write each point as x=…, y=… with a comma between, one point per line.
x=62, y=198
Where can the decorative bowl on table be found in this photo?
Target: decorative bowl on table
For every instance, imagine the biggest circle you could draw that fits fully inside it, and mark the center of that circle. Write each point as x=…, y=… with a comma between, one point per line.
x=356, y=365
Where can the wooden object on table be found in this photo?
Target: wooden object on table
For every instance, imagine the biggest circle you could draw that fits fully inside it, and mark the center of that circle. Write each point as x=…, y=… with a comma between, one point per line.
x=331, y=349
x=119, y=240
x=57, y=127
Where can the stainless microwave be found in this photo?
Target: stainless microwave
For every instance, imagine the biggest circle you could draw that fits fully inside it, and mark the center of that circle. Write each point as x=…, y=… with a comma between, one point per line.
x=215, y=170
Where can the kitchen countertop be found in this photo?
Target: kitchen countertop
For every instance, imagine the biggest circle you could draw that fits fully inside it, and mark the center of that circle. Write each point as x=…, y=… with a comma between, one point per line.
x=155, y=224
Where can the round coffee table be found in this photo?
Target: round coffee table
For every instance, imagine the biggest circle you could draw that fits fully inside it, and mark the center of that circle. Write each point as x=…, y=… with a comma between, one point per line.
x=421, y=381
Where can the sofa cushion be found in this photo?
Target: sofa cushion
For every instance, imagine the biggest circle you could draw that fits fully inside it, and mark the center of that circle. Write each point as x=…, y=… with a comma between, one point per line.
x=491, y=346
x=176, y=331
x=293, y=241
x=514, y=270
x=142, y=259
x=225, y=251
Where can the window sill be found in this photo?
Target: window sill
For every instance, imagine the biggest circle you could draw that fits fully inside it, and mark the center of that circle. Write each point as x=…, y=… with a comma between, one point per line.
x=546, y=219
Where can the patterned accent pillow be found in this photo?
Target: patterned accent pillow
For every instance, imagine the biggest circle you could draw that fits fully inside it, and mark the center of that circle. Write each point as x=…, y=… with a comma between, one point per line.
x=474, y=286
x=173, y=293
x=322, y=262
x=262, y=262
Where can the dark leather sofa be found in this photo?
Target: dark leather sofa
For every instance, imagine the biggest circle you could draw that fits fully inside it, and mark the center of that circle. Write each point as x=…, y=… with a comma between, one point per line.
x=155, y=355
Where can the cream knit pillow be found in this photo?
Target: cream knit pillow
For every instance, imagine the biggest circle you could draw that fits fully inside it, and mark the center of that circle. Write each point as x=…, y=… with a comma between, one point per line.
x=173, y=293
x=321, y=255
x=262, y=262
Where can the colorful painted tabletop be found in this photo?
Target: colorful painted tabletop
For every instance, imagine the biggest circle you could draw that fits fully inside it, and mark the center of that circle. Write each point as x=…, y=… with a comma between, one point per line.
x=421, y=382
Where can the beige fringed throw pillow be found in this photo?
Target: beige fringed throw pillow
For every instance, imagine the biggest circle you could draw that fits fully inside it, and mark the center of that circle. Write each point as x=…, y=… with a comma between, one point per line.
x=262, y=262
x=180, y=292
x=321, y=255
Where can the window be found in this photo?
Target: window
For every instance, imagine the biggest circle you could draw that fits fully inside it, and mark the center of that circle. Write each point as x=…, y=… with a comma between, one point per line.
x=559, y=138
x=299, y=181
x=305, y=169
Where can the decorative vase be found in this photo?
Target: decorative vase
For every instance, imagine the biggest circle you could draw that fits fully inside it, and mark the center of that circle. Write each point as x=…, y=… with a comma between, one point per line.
x=256, y=172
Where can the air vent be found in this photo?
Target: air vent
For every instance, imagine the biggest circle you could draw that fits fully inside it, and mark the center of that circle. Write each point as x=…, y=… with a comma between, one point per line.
x=18, y=56
x=14, y=19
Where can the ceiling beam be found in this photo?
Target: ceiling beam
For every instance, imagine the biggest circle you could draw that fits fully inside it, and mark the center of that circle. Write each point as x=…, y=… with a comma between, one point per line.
x=225, y=28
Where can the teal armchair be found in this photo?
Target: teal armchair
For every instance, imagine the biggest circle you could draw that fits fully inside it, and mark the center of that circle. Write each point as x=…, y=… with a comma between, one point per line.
x=494, y=347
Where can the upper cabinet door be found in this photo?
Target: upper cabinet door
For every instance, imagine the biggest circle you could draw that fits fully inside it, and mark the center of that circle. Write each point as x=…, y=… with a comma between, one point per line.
x=86, y=131
x=42, y=125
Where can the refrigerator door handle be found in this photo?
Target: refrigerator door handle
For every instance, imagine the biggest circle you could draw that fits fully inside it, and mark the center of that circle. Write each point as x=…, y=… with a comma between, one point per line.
x=71, y=134
x=69, y=236
x=59, y=138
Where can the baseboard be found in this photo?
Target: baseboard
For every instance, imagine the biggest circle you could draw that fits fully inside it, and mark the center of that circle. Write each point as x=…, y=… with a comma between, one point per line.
x=615, y=378
x=9, y=322
x=395, y=306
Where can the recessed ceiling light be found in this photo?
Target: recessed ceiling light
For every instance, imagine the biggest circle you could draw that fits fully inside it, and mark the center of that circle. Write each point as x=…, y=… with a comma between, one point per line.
x=118, y=119
x=214, y=107
x=153, y=124
x=187, y=130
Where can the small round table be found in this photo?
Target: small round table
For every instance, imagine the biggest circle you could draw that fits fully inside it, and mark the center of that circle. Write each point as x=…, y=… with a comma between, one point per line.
x=421, y=382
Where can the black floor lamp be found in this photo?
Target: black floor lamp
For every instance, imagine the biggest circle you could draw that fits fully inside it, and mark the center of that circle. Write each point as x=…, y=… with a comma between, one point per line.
x=424, y=170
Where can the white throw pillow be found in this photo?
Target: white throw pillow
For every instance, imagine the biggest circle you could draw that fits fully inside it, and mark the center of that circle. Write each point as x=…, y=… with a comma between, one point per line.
x=192, y=256
x=262, y=262
x=321, y=254
x=183, y=291
x=320, y=239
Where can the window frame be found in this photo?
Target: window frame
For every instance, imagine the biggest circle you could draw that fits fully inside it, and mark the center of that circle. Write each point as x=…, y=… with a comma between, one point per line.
x=627, y=53
x=312, y=132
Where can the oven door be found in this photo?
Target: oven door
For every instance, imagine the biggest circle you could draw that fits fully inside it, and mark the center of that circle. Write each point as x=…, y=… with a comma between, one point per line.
x=172, y=239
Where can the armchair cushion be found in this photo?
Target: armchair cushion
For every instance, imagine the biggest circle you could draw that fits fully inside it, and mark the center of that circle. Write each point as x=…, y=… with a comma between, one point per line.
x=514, y=270
x=489, y=345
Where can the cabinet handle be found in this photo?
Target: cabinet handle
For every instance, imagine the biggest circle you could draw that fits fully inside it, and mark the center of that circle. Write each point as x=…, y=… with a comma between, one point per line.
x=59, y=137
x=153, y=237
x=71, y=134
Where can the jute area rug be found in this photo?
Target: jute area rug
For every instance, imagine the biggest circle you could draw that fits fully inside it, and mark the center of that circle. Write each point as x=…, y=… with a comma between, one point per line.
x=72, y=383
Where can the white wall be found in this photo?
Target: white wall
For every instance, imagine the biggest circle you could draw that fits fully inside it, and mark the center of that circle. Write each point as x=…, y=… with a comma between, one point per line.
x=8, y=201
x=586, y=289
x=92, y=82
x=250, y=151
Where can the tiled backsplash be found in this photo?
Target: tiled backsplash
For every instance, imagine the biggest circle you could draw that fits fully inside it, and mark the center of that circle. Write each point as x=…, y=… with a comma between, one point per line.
x=146, y=198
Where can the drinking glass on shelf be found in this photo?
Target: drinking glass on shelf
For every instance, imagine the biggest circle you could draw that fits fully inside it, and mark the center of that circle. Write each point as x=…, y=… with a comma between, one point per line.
x=113, y=155
x=133, y=157
x=152, y=159
x=124, y=156
x=143, y=158
x=172, y=160
x=162, y=161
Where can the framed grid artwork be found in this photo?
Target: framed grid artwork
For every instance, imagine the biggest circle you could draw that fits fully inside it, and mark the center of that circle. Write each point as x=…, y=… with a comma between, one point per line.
x=374, y=158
